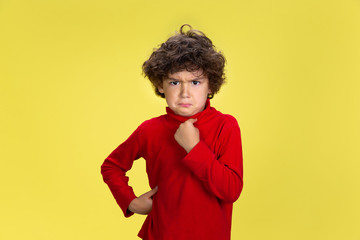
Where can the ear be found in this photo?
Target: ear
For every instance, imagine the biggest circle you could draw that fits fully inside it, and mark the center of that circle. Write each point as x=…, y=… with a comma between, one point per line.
x=160, y=89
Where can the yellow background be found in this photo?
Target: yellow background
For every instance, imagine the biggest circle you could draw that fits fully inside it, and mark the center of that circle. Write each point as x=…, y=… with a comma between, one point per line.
x=71, y=91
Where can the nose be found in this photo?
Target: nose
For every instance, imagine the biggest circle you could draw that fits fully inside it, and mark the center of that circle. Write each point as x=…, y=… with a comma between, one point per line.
x=184, y=91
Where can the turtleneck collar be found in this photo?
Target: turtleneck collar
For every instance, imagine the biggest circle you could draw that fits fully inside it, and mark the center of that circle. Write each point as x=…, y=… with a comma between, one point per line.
x=200, y=116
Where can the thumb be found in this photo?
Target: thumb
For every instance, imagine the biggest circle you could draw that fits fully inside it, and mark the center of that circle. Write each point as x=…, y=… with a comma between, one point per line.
x=192, y=120
x=152, y=192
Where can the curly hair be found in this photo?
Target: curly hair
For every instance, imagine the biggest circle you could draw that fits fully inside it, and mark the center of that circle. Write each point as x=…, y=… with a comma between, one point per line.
x=191, y=51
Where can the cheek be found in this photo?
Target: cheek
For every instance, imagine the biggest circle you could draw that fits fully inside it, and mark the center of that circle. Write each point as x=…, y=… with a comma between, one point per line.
x=170, y=97
x=206, y=91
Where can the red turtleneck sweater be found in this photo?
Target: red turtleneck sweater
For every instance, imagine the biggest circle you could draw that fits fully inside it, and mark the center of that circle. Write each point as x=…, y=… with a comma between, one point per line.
x=196, y=190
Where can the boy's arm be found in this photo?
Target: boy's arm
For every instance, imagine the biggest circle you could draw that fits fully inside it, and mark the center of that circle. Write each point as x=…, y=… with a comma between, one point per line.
x=221, y=174
x=115, y=167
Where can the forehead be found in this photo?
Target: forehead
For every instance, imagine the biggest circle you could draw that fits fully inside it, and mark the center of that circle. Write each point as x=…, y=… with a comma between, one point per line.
x=186, y=75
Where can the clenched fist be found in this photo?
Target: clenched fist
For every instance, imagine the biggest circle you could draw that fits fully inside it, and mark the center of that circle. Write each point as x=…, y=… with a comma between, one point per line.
x=187, y=135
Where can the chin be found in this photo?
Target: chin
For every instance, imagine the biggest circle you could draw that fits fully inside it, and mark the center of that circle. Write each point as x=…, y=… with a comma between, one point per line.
x=184, y=114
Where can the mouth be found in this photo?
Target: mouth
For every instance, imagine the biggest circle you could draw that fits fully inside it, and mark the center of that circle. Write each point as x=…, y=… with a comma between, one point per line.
x=184, y=105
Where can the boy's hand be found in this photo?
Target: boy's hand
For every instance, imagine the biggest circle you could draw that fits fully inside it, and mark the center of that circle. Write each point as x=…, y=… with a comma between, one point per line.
x=187, y=135
x=143, y=204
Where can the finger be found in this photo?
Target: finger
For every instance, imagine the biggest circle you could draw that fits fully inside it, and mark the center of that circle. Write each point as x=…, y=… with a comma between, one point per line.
x=151, y=192
x=192, y=120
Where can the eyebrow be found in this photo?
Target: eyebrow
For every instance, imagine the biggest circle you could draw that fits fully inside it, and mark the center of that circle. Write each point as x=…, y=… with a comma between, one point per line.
x=195, y=79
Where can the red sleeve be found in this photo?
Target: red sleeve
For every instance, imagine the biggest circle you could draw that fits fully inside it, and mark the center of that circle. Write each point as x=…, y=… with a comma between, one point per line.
x=222, y=173
x=115, y=167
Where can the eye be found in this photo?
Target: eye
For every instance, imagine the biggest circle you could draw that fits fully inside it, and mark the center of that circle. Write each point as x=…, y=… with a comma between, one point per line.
x=174, y=83
x=195, y=82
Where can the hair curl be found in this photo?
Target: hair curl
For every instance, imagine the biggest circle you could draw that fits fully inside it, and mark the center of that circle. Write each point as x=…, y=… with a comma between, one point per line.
x=191, y=51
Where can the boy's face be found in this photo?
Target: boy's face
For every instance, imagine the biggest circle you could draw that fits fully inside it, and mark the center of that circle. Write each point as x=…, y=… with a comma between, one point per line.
x=186, y=92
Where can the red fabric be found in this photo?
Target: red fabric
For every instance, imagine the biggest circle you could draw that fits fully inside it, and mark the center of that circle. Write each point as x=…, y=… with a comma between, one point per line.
x=196, y=191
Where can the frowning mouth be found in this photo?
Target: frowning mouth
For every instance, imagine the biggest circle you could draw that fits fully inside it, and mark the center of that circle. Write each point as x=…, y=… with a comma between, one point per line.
x=184, y=104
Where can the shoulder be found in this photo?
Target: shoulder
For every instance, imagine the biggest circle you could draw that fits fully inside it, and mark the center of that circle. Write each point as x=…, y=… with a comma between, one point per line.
x=225, y=120
x=146, y=129
x=151, y=124
x=228, y=132
x=230, y=119
x=230, y=124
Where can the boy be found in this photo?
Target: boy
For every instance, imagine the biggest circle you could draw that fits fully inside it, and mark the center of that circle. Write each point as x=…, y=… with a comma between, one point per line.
x=193, y=152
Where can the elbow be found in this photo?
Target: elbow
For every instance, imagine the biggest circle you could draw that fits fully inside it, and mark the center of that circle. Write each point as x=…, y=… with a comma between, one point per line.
x=234, y=191
x=105, y=170
x=239, y=190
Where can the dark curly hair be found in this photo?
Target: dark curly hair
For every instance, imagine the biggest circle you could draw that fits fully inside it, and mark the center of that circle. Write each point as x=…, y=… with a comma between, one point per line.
x=191, y=51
